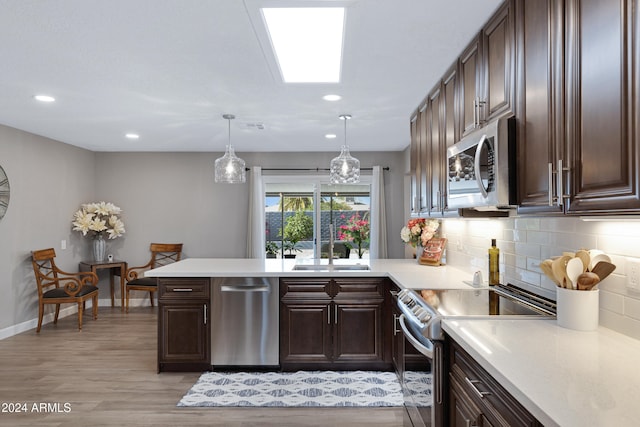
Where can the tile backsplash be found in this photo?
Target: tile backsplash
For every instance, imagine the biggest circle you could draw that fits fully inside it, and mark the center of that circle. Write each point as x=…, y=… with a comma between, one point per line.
x=524, y=242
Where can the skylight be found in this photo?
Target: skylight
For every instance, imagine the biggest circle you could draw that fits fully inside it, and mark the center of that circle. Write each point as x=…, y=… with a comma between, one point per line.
x=307, y=42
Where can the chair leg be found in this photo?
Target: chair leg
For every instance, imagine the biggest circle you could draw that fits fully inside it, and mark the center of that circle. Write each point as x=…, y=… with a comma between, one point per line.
x=80, y=310
x=126, y=299
x=151, y=297
x=40, y=315
x=55, y=318
x=94, y=306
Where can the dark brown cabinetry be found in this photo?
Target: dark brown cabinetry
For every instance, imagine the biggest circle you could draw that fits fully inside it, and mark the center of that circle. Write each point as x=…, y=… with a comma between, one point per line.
x=184, y=342
x=333, y=324
x=477, y=88
x=539, y=38
x=487, y=71
x=476, y=399
x=602, y=52
x=587, y=140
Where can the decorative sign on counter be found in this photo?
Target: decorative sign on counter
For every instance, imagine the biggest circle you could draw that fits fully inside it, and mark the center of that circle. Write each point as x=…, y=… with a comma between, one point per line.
x=433, y=251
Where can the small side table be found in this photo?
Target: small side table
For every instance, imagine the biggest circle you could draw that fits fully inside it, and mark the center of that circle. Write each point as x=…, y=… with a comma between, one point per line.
x=113, y=267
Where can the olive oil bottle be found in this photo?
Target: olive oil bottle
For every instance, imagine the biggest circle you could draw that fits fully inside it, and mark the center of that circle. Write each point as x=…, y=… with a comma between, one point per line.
x=494, y=264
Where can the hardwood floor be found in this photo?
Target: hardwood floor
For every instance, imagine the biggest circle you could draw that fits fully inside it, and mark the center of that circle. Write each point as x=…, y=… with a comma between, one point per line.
x=105, y=375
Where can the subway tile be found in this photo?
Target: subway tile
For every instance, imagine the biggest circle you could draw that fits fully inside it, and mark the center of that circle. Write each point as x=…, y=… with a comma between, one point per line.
x=612, y=302
x=632, y=308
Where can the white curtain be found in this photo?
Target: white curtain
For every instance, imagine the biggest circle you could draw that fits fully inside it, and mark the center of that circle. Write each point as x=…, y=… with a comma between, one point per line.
x=255, y=228
x=378, y=243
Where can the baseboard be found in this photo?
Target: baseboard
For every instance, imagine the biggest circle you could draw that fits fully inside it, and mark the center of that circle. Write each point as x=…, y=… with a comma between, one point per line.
x=70, y=310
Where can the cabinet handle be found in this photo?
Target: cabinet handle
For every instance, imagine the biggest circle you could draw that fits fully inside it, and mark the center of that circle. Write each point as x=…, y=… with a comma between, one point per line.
x=550, y=184
x=182, y=290
x=396, y=331
x=472, y=384
x=475, y=113
x=335, y=314
x=205, y=314
x=329, y=315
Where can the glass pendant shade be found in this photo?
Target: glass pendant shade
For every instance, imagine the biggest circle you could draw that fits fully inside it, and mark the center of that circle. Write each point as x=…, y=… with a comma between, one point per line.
x=230, y=169
x=344, y=169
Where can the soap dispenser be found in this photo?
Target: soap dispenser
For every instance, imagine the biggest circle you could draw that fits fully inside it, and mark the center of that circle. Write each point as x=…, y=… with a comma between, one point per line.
x=494, y=264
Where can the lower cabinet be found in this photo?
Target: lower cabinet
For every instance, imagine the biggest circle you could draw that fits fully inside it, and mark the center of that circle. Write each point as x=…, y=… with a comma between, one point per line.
x=477, y=399
x=334, y=324
x=184, y=337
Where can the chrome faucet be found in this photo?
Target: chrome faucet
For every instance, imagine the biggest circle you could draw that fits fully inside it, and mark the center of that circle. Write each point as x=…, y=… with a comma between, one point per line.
x=330, y=244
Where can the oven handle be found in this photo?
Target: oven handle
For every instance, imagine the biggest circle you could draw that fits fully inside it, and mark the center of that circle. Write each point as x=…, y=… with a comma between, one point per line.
x=417, y=344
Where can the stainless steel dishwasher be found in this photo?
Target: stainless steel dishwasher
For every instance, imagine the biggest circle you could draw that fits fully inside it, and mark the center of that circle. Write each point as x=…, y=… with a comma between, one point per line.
x=244, y=321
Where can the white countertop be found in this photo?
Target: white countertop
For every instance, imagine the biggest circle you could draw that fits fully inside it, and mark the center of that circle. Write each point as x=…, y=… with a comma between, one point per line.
x=563, y=377
x=405, y=272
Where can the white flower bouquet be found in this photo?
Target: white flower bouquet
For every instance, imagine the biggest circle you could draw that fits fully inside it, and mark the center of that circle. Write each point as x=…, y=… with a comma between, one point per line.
x=100, y=217
x=419, y=231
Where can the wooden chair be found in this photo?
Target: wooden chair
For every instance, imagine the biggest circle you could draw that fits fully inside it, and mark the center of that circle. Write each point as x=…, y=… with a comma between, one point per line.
x=59, y=287
x=161, y=254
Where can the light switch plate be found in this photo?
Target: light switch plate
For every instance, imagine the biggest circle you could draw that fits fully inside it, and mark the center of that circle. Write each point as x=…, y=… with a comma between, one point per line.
x=63, y=244
x=633, y=274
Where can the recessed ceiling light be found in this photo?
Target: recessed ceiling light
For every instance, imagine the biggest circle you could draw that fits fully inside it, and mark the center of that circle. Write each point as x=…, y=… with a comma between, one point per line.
x=330, y=136
x=44, y=98
x=132, y=135
x=307, y=42
x=332, y=97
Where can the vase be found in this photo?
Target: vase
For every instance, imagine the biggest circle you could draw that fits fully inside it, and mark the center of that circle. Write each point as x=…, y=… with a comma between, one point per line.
x=419, y=251
x=99, y=248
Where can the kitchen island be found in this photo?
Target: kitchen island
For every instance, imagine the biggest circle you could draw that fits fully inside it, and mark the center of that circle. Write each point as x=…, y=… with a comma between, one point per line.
x=562, y=377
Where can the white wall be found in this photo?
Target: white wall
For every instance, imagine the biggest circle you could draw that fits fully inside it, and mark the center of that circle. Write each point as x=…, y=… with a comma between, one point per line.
x=48, y=182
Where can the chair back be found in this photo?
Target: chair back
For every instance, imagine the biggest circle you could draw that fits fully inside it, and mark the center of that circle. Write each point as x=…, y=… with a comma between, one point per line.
x=44, y=268
x=165, y=253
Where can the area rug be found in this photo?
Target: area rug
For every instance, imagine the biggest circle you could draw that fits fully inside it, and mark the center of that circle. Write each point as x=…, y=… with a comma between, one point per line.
x=289, y=389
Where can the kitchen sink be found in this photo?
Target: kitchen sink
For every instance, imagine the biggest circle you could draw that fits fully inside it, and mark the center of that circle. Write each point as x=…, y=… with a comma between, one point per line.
x=334, y=267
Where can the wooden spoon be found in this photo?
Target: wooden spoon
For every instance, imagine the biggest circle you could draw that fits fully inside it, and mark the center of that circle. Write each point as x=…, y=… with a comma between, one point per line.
x=559, y=268
x=603, y=269
x=587, y=281
x=574, y=269
x=546, y=267
x=585, y=258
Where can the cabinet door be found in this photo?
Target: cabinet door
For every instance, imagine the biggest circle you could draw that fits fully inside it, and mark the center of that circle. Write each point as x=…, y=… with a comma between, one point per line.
x=602, y=54
x=462, y=411
x=436, y=152
x=499, y=54
x=183, y=336
x=358, y=332
x=423, y=163
x=470, y=77
x=305, y=332
x=539, y=92
x=414, y=156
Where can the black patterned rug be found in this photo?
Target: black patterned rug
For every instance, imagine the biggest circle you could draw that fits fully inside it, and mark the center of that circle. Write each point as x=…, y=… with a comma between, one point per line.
x=302, y=388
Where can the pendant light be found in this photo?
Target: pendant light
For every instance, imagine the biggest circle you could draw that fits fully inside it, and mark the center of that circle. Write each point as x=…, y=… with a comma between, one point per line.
x=229, y=168
x=344, y=169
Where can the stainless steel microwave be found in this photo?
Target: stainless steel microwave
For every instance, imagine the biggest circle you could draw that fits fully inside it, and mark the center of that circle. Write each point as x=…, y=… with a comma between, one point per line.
x=481, y=168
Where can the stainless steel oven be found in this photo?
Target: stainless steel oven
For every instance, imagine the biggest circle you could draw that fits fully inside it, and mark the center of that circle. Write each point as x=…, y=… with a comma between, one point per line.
x=422, y=310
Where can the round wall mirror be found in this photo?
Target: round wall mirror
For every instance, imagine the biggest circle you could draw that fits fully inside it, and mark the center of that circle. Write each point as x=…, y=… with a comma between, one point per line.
x=4, y=192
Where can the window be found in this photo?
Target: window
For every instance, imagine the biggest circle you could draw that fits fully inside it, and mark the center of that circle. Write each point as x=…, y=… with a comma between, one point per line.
x=298, y=212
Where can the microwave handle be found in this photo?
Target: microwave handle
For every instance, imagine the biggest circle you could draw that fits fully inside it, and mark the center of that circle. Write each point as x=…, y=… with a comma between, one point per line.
x=476, y=166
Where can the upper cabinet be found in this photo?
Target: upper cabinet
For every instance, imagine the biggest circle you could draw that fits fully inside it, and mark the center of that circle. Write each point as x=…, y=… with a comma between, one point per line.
x=577, y=106
x=539, y=86
x=602, y=54
x=487, y=71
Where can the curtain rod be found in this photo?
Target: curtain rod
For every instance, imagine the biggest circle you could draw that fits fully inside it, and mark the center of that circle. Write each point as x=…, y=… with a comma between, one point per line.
x=386, y=168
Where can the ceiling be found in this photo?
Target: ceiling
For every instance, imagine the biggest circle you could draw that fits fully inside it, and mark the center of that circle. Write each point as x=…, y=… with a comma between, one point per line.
x=169, y=69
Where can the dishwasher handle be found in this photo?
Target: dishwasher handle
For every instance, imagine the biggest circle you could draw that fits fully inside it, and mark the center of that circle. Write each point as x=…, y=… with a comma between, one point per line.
x=244, y=288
